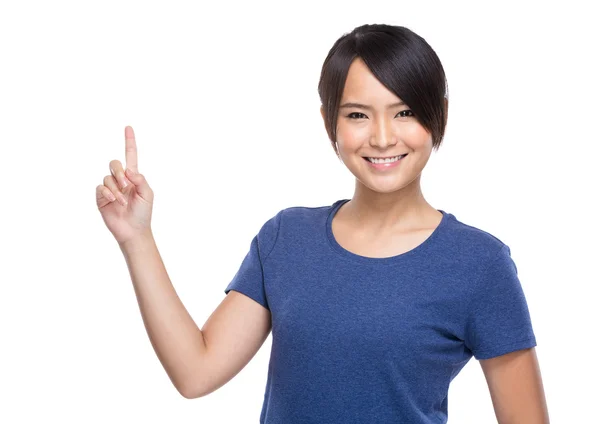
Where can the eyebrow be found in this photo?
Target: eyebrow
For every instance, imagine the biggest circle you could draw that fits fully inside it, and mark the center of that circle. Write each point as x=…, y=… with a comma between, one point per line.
x=361, y=106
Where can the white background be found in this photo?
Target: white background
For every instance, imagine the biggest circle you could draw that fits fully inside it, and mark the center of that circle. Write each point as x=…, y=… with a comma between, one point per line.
x=223, y=100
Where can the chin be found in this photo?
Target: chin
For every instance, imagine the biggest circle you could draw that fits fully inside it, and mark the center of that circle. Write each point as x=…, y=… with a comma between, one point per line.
x=383, y=185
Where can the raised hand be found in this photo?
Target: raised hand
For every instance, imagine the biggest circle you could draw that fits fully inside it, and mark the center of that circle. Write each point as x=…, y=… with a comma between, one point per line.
x=125, y=199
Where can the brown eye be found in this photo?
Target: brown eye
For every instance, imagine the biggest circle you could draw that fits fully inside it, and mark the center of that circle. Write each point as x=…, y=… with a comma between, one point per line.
x=406, y=113
x=353, y=115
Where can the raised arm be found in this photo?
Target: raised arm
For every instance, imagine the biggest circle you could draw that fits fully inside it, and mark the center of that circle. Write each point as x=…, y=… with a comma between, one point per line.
x=197, y=361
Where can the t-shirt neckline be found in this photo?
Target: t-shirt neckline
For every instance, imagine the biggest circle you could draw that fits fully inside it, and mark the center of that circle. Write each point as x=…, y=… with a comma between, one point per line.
x=379, y=261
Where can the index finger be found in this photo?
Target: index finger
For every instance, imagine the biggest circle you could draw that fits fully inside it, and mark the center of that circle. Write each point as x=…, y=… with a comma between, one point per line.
x=131, y=160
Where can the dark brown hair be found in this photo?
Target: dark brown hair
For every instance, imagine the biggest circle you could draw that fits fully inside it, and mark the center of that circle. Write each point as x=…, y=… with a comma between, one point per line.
x=402, y=61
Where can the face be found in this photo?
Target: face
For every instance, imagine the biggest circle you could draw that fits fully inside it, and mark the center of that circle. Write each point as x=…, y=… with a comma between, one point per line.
x=382, y=128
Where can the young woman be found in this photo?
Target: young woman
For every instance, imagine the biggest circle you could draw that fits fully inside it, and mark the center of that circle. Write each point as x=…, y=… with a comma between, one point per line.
x=376, y=302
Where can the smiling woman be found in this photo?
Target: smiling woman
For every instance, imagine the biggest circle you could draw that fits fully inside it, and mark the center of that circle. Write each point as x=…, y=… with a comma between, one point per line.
x=375, y=303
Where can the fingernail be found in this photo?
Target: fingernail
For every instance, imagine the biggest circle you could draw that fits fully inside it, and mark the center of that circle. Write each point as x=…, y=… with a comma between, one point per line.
x=123, y=183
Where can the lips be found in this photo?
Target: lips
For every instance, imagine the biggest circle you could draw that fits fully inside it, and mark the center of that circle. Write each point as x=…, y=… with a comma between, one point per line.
x=400, y=157
x=384, y=166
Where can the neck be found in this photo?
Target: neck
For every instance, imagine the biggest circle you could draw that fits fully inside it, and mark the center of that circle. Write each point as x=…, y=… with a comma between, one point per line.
x=404, y=208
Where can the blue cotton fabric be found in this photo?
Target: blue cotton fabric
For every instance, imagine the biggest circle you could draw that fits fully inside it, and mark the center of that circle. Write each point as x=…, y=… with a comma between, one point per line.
x=364, y=340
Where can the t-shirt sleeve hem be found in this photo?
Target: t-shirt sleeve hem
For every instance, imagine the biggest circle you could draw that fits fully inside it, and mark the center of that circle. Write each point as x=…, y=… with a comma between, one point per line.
x=507, y=348
x=249, y=294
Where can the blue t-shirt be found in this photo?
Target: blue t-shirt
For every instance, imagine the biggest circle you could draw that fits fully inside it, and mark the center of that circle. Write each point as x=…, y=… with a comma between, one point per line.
x=364, y=340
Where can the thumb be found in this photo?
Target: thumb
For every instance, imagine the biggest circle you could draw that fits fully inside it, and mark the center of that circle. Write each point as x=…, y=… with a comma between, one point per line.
x=140, y=183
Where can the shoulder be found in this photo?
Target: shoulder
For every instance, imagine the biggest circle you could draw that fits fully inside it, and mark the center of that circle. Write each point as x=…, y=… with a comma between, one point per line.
x=295, y=214
x=305, y=214
x=297, y=218
x=290, y=221
x=474, y=243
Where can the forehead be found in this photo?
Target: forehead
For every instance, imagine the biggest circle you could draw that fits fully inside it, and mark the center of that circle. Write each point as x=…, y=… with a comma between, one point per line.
x=361, y=85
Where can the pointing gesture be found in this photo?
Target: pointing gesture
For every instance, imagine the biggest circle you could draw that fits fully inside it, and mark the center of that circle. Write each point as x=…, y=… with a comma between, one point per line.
x=125, y=199
x=130, y=150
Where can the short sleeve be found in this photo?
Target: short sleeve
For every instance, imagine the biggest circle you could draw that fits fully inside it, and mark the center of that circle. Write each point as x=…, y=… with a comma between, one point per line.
x=250, y=277
x=498, y=317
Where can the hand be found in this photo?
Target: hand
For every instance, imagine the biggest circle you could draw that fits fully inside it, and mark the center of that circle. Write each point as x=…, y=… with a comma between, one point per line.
x=125, y=199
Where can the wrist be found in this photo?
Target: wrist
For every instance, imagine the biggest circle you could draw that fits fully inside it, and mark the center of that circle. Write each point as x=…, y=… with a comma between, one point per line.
x=140, y=242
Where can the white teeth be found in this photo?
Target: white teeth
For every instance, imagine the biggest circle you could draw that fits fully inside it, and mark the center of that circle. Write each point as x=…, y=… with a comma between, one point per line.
x=387, y=160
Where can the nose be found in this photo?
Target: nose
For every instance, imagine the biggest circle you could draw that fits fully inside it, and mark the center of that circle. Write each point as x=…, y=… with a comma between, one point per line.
x=383, y=137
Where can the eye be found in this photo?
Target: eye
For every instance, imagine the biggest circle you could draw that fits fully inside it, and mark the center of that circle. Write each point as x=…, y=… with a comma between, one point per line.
x=404, y=113
x=353, y=115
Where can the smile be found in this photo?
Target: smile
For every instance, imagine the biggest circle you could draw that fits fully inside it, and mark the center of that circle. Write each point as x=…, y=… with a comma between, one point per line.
x=385, y=160
x=384, y=164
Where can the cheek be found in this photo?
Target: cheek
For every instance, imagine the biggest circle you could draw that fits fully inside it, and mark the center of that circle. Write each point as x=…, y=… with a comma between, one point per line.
x=352, y=134
x=416, y=136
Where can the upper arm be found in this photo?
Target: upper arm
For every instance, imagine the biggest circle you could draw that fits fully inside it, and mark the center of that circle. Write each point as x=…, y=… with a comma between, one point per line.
x=516, y=388
x=241, y=323
x=233, y=334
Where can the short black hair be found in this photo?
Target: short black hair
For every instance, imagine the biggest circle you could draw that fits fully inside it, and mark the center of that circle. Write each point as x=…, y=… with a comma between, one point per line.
x=402, y=61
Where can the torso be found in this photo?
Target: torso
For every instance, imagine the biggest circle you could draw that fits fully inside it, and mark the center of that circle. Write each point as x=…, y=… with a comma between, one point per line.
x=361, y=242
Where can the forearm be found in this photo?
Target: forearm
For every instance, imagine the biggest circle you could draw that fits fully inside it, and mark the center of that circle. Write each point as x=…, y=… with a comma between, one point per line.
x=175, y=337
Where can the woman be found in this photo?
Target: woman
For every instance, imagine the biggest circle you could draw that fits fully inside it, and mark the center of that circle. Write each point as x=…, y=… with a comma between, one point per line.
x=376, y=302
